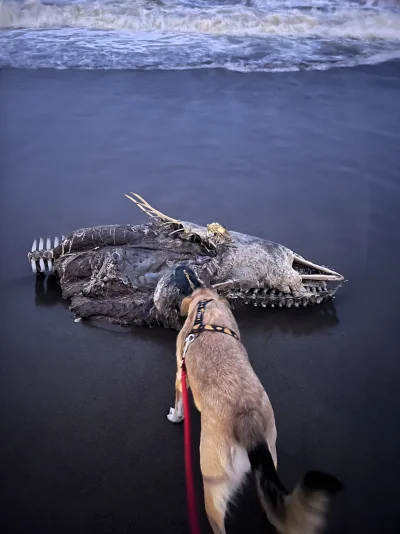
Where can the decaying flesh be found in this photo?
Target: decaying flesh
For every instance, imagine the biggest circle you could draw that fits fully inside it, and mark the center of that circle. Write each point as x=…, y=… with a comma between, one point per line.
x=125, y=273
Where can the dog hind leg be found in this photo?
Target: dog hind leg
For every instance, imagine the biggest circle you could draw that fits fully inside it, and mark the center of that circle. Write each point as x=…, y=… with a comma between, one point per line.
x=216, y=497
x=224, y=469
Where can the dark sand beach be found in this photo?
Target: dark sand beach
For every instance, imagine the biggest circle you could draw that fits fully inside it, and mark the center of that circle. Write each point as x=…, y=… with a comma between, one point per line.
x=308, y=159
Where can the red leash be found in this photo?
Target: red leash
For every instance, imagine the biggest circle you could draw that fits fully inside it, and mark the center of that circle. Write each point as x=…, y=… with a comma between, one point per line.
x=191, y=495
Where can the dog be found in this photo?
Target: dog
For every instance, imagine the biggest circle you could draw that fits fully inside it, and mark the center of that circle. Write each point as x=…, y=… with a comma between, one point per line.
x=238, y=432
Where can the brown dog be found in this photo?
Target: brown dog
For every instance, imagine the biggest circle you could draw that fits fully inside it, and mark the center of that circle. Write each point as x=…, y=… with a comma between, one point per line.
x=238, y=432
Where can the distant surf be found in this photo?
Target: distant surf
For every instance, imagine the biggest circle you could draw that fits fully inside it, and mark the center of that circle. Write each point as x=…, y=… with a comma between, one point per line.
x=247, y=35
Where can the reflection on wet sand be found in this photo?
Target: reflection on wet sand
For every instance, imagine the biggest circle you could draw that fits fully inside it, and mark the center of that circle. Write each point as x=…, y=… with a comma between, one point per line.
x=48, y=291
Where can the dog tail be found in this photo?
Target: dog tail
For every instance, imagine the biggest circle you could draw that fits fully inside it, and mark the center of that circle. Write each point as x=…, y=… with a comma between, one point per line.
x=300, y=512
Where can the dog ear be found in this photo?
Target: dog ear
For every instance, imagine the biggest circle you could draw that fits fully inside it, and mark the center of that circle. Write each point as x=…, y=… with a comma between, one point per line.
x=185, y=305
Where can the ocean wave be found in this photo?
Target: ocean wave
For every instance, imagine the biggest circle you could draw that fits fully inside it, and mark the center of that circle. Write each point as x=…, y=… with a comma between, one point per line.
x=243, y=35
x=223, y=19
x=102, y=49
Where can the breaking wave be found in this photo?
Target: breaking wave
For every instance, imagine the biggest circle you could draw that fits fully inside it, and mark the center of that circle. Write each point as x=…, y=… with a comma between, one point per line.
x=242, y=35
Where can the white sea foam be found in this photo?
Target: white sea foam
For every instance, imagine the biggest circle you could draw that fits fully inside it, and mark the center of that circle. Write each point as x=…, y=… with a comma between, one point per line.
x=235, y=20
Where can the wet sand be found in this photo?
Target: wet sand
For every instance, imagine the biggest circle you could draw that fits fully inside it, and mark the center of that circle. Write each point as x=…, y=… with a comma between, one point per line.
x=306, y=159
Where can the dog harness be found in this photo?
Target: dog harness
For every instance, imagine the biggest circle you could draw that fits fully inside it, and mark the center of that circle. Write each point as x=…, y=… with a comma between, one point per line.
x=199, y=327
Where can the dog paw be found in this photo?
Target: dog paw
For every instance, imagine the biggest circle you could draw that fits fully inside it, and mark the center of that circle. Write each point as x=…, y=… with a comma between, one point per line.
x=174, y=417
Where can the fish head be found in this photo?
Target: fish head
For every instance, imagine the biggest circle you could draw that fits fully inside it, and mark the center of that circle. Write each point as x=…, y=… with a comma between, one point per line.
x=263, y=273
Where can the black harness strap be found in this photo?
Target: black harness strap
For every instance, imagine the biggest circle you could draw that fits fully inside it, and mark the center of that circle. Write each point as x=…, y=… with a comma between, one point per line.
x=199, y=327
